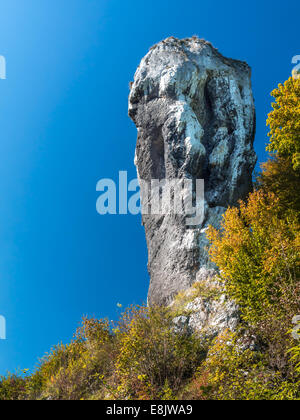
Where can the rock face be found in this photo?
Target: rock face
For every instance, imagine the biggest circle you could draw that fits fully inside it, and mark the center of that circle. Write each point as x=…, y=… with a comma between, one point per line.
x=195, y=116
x=205, y=309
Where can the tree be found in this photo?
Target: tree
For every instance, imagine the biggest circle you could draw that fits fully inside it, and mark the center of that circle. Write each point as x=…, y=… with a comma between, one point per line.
x=279, y=177
x=284, y=122
x=257, y=252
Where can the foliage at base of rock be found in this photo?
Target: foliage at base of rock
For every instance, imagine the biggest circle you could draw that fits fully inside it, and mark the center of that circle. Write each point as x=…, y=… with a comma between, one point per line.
x=232, y=373
x=144, y=357
x=140, y=357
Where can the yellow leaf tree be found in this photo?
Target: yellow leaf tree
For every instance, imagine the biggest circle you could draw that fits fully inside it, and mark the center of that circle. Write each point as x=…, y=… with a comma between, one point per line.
x=284, y=122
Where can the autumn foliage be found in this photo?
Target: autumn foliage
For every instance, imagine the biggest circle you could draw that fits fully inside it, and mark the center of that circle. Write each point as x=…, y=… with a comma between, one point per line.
x=284, y=122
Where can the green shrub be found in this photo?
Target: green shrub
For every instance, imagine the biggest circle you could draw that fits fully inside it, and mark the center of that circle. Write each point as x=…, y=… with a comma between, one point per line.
x=154, y=360
x=233, y=372
x=13, y=387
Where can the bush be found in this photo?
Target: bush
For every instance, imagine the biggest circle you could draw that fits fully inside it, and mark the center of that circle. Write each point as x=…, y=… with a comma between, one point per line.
x=278, y=177
x=140, y=357
x=75, y=371
x=154, y=360
x=13, y=387
x=232, y=372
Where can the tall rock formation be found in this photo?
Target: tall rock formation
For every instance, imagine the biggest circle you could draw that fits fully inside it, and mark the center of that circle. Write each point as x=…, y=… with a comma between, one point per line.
x=195, y=116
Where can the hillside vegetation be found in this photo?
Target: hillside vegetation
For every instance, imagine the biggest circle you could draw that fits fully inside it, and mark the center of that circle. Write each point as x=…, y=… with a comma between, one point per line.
x=143, y=356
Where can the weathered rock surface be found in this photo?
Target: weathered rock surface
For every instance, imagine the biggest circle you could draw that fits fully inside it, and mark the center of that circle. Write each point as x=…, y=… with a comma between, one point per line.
x=205, y=309
x=195, y=116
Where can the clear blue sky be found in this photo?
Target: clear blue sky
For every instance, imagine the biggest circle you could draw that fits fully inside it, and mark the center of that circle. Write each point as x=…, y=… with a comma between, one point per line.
x=64, y=125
